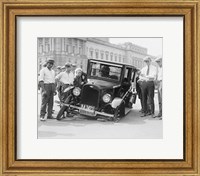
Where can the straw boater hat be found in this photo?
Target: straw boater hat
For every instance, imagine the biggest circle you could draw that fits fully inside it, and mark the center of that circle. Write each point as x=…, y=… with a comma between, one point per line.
x=67, y=64
x=158, y=59
x=147, y=58
x=49, y=60
x=63, y=67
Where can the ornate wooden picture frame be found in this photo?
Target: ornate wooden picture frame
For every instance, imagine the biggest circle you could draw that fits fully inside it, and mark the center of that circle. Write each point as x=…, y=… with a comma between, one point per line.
x=10, y=9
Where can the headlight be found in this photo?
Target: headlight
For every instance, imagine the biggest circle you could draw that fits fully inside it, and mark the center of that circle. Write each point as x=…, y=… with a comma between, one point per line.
x=76, y=91
x=106, y=98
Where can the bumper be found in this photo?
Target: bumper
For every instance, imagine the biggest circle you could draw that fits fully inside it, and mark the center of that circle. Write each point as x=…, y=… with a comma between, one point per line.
x=88, y=112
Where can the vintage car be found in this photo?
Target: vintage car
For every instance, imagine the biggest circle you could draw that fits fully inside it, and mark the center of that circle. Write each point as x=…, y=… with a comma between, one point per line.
x=109, y=92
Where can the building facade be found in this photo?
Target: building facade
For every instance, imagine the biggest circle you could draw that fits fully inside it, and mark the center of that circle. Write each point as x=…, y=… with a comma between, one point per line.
x=79, y=50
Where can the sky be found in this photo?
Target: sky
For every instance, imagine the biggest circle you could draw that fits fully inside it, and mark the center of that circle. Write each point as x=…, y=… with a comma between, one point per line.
x=153, y=45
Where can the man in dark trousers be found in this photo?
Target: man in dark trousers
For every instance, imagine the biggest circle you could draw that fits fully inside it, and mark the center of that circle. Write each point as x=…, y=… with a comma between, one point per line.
x=138, y=88
x=158, y=60
x=47, y=84
x=147, y=77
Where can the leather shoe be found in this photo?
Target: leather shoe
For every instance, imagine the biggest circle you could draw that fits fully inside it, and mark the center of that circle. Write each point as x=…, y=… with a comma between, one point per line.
x=159, y=115
x=42, y=118
x=152, y=115
x=144, y=115
x=50, y=117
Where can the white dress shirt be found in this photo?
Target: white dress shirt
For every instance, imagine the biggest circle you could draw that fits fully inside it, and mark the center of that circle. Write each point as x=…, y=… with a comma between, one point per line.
x=65, y=77
x=46, y=75
x=152, y=73
x=159, y=73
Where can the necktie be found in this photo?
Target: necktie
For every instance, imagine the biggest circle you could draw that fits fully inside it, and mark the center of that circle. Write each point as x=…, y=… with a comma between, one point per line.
x=147, y=70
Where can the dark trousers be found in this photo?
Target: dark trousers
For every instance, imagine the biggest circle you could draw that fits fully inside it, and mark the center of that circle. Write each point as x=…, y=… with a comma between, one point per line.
x=139, y=92
x=47, y=100
x=148, y=96
x=160, y=97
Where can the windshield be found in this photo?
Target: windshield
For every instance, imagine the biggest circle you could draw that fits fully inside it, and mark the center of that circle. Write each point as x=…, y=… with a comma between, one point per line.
x=102, y=70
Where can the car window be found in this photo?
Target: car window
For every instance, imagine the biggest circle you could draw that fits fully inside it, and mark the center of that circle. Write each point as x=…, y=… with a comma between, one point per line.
x=105, y=71
x=127, y=74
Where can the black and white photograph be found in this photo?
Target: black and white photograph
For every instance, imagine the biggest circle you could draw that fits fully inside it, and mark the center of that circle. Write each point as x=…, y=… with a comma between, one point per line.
x=101, y=88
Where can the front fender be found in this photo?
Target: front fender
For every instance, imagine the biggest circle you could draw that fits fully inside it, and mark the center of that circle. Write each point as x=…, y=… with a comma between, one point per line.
x=68, y=89
x=116, y=102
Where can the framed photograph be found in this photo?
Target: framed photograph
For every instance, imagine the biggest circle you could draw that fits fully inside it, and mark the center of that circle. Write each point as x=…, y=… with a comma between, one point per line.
x=99, y=87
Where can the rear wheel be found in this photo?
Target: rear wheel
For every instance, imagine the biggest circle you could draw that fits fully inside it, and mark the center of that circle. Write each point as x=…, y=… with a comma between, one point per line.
x=61, y=113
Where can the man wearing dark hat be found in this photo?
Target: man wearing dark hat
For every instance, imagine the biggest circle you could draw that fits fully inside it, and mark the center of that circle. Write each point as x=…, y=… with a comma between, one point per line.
x=47, y=83
x=158, y=60
x=147, y=76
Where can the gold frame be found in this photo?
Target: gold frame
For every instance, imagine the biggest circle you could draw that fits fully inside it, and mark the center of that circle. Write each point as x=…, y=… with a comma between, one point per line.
x=189, y=9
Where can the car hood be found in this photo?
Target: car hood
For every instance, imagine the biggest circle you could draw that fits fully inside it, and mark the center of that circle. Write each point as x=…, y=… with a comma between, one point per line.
x=101, y=84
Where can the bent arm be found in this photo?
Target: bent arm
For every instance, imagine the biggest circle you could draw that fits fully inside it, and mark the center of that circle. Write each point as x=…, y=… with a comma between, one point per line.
x=42, y=85
x=58, y=77
x=41, y=79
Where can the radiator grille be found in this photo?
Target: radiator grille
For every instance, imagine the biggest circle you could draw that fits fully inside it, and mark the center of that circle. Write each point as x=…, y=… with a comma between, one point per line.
x=90, y=96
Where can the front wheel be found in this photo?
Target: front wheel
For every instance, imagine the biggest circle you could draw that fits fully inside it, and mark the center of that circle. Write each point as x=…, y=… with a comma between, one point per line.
x=119, y=112
x=61, y=112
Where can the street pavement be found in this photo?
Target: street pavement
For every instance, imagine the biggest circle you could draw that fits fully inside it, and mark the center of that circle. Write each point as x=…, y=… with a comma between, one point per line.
x=132, y=126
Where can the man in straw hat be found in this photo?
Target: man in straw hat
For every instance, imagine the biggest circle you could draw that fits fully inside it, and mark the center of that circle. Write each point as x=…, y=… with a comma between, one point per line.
x=47, y=83
x=158, y=60
x=147, y=77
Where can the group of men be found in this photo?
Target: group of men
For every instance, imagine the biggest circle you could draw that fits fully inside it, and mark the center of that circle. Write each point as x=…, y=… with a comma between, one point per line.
x=150, y=78
x=50, y=81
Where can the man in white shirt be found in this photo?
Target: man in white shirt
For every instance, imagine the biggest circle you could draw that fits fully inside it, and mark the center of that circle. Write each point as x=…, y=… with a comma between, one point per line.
x=73, y=68
x=47, y=84
x=158, y=60
x=65, y=78
x=147, y=78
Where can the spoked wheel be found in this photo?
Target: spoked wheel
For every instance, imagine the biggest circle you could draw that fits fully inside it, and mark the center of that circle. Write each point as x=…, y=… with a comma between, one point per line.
x=119, y=112
x=61, y=113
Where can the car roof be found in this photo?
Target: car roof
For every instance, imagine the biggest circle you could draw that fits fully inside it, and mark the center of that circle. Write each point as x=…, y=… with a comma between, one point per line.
x=112, y=63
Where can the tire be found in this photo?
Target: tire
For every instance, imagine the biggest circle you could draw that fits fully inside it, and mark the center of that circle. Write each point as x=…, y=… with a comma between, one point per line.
x=119, y=112
x=61, y=112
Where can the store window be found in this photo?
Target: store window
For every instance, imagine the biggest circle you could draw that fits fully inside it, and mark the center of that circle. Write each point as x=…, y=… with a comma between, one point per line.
x=120, y=58
x=111, y=56
x=91, y=53
x=102, y=55
x=115, y=58
x=107, y=55
x=73, y=49
x=67, y=48
x=97, y=54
